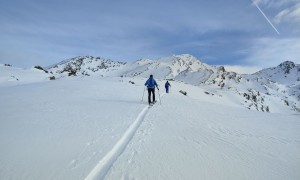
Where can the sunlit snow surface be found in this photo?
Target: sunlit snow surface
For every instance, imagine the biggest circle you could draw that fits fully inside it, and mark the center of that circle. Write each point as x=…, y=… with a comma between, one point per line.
x=93, y=127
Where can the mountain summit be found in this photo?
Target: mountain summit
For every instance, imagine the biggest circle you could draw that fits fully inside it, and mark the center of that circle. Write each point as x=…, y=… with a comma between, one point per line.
x=173, y=67
x=86, y=66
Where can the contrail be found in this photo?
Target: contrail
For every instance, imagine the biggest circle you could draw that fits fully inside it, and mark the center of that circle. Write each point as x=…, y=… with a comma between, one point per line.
x=266, y=17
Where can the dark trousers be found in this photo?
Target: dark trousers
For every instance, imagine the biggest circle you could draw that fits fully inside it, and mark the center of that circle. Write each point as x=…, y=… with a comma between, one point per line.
x=151, y=90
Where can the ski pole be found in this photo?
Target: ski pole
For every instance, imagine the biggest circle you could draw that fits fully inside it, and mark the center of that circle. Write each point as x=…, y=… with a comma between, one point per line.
x=143, y=93
x=159, y=96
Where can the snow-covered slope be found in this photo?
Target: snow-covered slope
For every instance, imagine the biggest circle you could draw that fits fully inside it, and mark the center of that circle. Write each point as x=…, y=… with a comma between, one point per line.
x=267, y=90
x=87, y=65
x=172, y=67
x=98, y=128
x=286, y=73
x=285, y=77
x=12, y=76
x=168, y=67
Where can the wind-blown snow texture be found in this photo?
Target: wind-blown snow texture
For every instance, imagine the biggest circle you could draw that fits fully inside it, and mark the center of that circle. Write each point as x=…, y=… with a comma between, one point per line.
x=95, y=126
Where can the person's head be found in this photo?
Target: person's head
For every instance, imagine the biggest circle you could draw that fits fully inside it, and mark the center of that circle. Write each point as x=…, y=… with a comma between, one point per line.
x=151, y=76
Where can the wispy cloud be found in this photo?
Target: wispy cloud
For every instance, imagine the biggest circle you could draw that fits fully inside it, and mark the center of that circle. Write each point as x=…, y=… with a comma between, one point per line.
x=271, y=4
x=269, y=52
x=217, y=32
x=291, y=14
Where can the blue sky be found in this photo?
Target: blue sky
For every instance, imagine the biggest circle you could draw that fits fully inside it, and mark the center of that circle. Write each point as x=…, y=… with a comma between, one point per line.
x=236, y=33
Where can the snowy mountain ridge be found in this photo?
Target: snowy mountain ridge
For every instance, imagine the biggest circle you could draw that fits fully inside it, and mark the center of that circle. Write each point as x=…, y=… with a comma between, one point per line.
x=281, y=82
x=266, y=90
x=178, y=67
x=86, y=65
x=285, y=73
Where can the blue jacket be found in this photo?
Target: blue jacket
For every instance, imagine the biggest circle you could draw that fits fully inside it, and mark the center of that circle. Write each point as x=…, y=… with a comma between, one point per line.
x=151, y=83
x=167, y=84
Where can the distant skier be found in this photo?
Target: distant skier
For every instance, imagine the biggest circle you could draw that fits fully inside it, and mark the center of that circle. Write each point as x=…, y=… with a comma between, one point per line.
x=151, y=83
x=167, y=85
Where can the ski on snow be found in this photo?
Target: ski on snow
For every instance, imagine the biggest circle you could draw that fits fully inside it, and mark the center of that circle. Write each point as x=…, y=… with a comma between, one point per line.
x=152, y=103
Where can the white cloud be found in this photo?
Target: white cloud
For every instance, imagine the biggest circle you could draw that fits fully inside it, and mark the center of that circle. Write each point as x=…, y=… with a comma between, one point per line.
x=291, y=14
x=267, y=52
x=275, y=4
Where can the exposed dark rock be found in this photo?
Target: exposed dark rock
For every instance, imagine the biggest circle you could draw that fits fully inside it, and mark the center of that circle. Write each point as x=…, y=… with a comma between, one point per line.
x=286, y=102
x=72, y=72
x=183, y=92
x=221, y=68
x=40, y=68
x=287, y=66
x=15, y=78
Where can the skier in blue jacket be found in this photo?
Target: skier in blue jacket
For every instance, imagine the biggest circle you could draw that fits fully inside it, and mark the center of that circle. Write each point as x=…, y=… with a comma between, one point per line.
x=151, y=83
x=167, y=85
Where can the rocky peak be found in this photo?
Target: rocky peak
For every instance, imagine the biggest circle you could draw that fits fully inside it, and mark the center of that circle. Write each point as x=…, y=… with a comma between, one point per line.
x=287, y=66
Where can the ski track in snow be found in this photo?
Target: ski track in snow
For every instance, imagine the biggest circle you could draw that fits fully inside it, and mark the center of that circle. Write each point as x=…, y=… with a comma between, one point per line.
x=104, y=165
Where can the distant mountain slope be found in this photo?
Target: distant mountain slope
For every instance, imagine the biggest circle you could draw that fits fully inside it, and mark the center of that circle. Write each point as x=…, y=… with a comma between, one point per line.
x=179, y=67
x=12, y=75
x=286, y=73
x=257, y=90
x=265, y=90
x=87, y=65
x=168, y=67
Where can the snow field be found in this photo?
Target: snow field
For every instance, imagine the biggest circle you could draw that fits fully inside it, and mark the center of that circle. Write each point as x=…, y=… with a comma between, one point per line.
x=100, y=171
x=192, y=139
x=98, y=128
x=15, y=76
x=61, y=129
